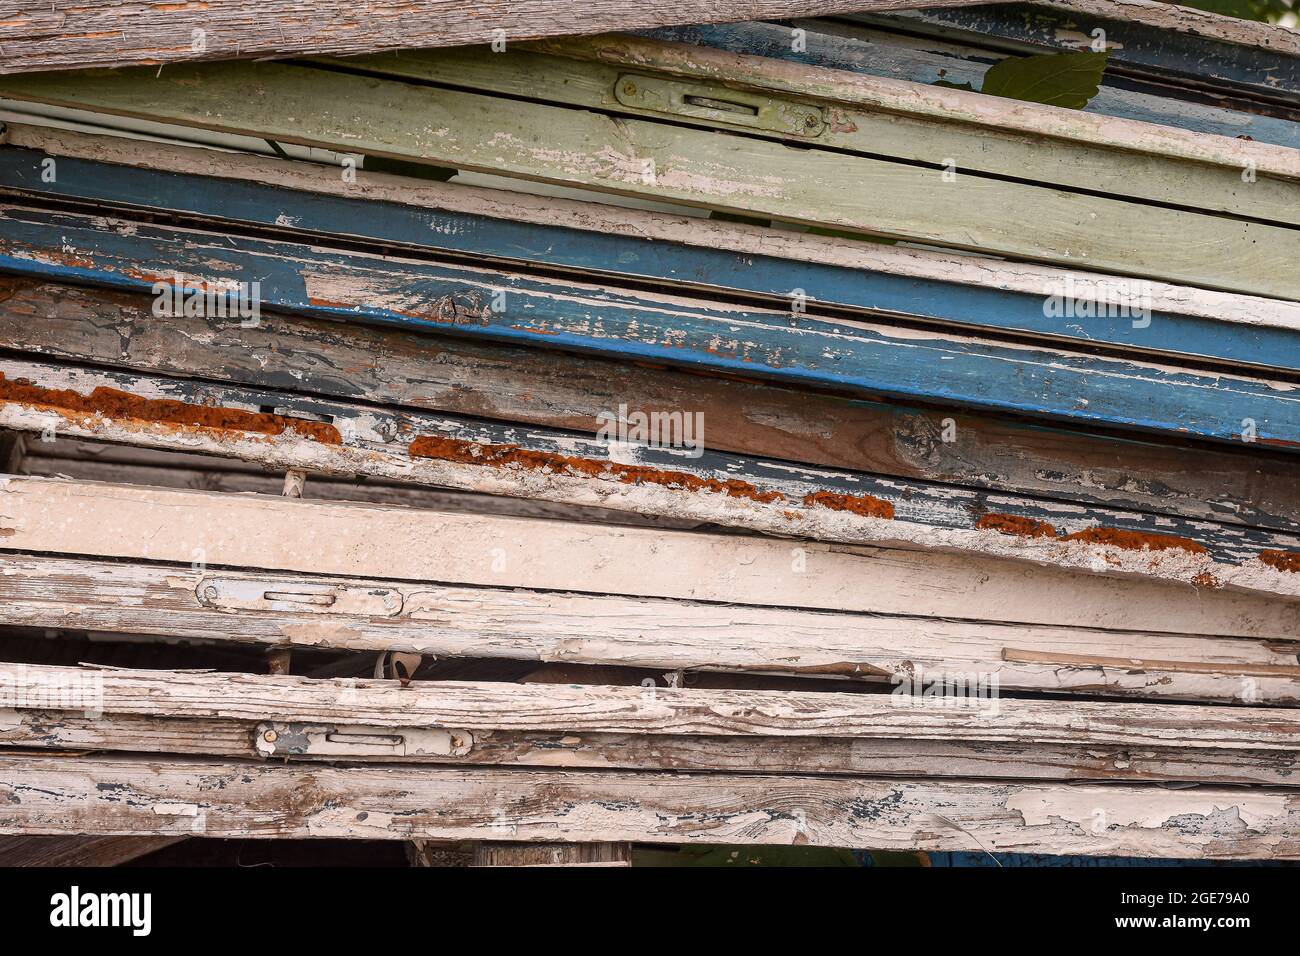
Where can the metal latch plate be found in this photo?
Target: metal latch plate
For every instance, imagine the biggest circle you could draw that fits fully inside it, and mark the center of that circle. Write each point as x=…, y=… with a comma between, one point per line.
x=719, y=104
x=283, y=739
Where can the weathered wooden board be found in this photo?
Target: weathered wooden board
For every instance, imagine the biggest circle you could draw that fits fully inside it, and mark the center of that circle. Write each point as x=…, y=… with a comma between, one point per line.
x=124, y=733
x=879, y=51
x=118, y=32
x=553, y=389
x=867, y=358
x=315, y=107
x=484, y=707
x=593, y=74
x=378, y=614
x=80, y=851
x=1157, y=39
x=298, y=535
x=142, y=176
x=129, y=796
x=769, y=496
x=931, y=268
x=924, y=100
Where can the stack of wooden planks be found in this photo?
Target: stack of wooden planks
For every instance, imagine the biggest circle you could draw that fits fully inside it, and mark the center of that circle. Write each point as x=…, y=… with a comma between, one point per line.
x=969, y=517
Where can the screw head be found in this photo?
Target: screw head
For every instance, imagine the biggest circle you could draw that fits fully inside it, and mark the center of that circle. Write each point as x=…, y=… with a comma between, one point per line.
x=629, y=88
x=270, y=736
x=210, y=593
x=810, y=120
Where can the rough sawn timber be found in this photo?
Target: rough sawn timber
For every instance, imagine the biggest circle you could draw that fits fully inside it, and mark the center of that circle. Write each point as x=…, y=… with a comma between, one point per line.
x=64, y=34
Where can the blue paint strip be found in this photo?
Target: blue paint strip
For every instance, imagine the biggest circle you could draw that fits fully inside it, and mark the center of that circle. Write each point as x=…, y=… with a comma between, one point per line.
x=1144, y=49
x=922, y=64
x=972, y=307
x=556, y=314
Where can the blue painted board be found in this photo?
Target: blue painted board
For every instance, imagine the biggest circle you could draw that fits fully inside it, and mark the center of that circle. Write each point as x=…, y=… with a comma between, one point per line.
x=586, y=252
x=559, y=313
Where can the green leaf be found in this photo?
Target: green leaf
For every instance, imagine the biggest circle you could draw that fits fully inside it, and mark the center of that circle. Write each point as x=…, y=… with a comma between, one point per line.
x=1069, y=80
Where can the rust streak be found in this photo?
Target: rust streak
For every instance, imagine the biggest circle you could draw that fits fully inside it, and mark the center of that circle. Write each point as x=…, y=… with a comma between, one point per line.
x=115, y=404
x=866, y=505
x=474, y=453
x=1017, y=525
x=1282, y=560
x=1135, y=540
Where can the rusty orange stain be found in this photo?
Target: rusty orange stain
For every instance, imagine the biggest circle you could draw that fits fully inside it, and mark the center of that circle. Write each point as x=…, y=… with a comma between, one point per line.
x=476, y=453
x=1282, y=560
x=868, y=506
x=1017, y=525
x=1136, y=540
x=119, y=405
x=1206, y=580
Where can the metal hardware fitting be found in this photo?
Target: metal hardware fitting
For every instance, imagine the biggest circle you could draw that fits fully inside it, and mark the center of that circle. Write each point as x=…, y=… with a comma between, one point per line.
x=251, y=594
x=719, y=104
x=276, y=739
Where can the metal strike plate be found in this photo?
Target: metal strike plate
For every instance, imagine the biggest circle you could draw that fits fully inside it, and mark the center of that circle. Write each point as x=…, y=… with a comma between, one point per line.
x=719, y=104
x=254, y=594
x=277, y=739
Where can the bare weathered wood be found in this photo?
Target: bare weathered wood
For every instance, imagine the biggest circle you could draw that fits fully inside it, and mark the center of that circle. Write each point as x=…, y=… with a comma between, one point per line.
x=129, y=796
x=486, y=707
x=370, y=541
x=880, y=757
x=78, y=850
x=378, y=614
x=571, y=392
x=64, y=35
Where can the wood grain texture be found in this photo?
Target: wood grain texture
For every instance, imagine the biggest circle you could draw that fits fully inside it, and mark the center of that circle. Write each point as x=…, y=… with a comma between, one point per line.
x=884, y=757
x=121, y=32
x=878, y=50
x=345, y=539
x=867, y=358
x=580, y=77
x=653, y=228
x=129, y=796
x=564, y=391
x=439, y=620
x=769, y=496
x=485, y=707
x=132, y=181
x=78, y=851
x=361, y=114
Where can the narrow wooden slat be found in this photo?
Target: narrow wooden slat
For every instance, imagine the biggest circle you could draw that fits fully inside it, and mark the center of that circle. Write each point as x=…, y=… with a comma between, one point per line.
x=870, y=359
x=1034, y=760
x=774, y=497
x=570, y=392
x=1172, y=42
x=97, y=795
x=486, y=707
x=581, y=77
x=319, y=205
x=78, y=851
x=440, y=620
x=633, y=156
x=62, y=34
x=345, y=539
x=880, y=51
x=755, y=250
